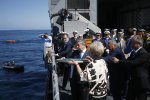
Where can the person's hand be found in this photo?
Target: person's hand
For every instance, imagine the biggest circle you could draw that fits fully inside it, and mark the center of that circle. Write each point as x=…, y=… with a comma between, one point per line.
x=57, y=54
x=74, y=48
x=41, y=36
x=62, y=58
x=115, y=60
x=88, y=59
x=126, y=55
x=73, y=62
x=107, y=51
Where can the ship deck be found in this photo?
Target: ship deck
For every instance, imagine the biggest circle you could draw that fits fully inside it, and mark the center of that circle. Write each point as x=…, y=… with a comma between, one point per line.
x=65, y=94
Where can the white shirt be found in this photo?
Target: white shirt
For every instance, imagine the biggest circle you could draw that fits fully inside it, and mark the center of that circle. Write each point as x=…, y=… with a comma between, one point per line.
x=82, y=53
x=137, y=50
x=48, y=41
x=72, y=66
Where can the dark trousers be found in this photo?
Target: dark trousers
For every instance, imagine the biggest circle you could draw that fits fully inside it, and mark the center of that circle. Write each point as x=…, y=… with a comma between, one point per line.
x=76, y=90
x=85, y=91
x=117, y=87
x=66, y=73
x=135, y=94
x=79, y=91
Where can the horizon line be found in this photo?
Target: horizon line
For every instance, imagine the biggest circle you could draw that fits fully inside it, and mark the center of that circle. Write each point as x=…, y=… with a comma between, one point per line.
x=21, y=29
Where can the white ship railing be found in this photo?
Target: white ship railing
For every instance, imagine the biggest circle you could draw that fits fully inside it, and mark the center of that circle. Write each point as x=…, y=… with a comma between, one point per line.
x=55, y=87
x=56, y=95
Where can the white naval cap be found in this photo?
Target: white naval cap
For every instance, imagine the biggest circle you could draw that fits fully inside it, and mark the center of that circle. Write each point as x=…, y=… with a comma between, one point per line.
x=134, y=29
x=76, y=32
x=106, y=29
x=99, y=32
x=63, y=32
x=107, y=32
x=114, y=30
x=86, y=30
x=120, y=32
x=141, y=30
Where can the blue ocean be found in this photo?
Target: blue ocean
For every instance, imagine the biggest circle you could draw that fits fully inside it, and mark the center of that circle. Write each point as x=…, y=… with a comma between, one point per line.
x=27, y=51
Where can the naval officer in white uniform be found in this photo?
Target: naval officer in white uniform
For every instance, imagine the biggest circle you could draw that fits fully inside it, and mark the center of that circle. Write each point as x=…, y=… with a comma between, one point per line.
x=47, y=39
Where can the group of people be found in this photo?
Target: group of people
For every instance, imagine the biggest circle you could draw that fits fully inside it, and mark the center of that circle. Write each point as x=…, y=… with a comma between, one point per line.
x=123, y=56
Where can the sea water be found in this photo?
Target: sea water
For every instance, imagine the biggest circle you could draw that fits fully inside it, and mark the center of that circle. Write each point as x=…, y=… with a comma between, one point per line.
x=27, y=51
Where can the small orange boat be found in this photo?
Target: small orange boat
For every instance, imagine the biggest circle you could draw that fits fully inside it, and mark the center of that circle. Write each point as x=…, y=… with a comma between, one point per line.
x=11, y=41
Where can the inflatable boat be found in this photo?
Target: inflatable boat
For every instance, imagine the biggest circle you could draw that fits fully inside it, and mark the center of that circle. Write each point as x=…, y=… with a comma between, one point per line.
x=11, y=66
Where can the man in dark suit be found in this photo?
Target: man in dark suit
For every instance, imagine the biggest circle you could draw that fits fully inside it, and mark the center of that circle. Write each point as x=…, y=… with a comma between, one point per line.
x=139, y=71
x=65, y=47
x=78, y=90
x=132, y=32
x=64, y=52
x=74, y=38
x=117, y=73
x=106, y=38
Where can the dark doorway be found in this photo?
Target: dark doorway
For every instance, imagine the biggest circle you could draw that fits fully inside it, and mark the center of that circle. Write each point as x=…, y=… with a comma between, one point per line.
x=107, y=13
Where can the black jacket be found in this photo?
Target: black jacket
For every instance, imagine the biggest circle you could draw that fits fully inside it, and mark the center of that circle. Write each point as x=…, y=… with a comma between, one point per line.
x=76, y=54
x=65, y=49
x=139, y=69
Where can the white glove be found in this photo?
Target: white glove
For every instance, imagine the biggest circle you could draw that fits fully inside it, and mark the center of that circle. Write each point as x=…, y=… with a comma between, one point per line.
x=57, y=54
x=107, y=50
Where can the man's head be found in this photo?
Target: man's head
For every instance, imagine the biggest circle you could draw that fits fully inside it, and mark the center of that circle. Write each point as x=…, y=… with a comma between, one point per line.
x=87, y=31
x=112, y=45
x=137, y=42
x=134, y=31
x=45, y=35
x=80, y=45
x=114, y=31
x=120, y=35
x=107, y=34
x=80, y=37
x=75, y=34
x=65, y=37
x=141, y=32
x=98, y=35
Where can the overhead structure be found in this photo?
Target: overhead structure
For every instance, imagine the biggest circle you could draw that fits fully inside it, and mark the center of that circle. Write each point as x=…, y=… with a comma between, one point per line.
x=84, y=15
